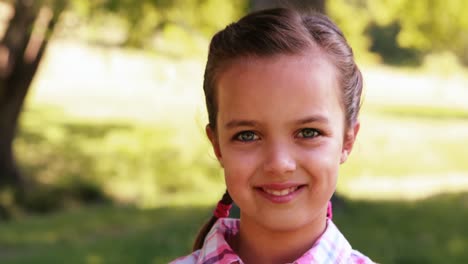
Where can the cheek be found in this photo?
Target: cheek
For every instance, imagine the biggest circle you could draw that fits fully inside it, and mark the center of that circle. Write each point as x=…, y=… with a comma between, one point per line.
x=239, y=171
x=323, y=161
x=239, y=164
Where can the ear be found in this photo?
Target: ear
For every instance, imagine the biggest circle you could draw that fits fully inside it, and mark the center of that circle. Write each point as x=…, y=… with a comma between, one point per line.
x=348, y=141
x=214, y=143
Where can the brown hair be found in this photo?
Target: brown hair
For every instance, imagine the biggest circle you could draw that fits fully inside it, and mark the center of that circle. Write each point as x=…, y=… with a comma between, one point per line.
x=227, y=200
x=281, y=31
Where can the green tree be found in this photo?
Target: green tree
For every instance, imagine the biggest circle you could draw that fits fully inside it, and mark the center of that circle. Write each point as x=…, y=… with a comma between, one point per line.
x=427, y=25
x=21, y=49
x=31, y=24
x=318, y=5
x=422, y=26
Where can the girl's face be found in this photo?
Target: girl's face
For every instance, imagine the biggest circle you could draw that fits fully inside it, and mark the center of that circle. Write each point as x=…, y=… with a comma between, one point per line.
x=280, y=138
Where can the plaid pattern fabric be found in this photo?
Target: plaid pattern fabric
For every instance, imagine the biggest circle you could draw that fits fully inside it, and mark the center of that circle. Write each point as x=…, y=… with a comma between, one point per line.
x=331, y=248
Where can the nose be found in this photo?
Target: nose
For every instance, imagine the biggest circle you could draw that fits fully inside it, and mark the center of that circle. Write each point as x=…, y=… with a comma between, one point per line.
x=279, y=159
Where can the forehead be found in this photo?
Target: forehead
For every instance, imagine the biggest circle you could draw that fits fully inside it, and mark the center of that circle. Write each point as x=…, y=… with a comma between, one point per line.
x=294, y=83
x=310, y=65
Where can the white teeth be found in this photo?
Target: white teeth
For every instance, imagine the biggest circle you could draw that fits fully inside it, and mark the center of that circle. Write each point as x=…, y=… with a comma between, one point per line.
x=280, y=192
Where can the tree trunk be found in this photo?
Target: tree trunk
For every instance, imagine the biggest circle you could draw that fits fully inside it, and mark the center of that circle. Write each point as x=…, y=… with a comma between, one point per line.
x=317, y=5
x=21, y=50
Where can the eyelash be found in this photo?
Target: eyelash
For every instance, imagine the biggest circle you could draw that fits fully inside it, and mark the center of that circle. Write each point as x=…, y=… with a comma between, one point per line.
x=238, y=136
x=316, y=132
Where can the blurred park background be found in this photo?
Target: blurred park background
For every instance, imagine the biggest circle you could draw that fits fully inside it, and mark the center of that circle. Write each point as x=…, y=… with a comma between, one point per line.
x=103, y=157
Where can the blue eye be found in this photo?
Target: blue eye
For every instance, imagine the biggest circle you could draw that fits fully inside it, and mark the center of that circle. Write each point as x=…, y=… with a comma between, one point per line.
x=246, y=136
x=308, y=133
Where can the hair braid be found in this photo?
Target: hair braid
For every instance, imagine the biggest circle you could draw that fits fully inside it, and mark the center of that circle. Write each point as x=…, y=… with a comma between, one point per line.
x=200, y=239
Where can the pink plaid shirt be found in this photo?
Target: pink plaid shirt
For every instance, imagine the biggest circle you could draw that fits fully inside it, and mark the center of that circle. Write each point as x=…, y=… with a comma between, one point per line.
x=332, y=247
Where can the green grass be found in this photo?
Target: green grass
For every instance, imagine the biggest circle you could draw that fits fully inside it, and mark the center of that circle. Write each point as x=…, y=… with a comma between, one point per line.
x=131, y=162
x=390, y=145
x=429, y=231
x=100, y=235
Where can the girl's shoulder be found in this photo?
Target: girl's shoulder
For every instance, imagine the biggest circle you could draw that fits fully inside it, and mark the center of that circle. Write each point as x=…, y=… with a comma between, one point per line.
x=333, y=247
x=359, y=258
x=189, y=259
x=215, y=246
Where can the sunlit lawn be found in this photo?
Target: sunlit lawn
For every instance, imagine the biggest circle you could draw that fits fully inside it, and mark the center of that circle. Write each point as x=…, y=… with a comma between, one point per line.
x=132, y=131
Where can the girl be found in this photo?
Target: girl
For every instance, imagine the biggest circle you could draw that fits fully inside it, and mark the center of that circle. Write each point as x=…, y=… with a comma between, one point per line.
x=283, y=95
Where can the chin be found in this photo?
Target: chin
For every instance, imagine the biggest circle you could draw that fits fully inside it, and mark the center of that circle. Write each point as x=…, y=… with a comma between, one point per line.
x=286, y=223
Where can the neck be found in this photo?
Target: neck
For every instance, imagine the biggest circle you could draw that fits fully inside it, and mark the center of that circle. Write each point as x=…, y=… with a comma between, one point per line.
x=257, y=244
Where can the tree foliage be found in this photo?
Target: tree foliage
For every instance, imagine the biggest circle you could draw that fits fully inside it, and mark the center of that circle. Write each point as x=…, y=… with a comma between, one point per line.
x=353, y=19
x=28, y=25
x=425, y=26
x=148, y=23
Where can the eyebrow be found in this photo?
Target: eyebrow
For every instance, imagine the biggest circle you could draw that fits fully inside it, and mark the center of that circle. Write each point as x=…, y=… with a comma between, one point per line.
x=312, y=119
x=240, y=123
x=250, y=123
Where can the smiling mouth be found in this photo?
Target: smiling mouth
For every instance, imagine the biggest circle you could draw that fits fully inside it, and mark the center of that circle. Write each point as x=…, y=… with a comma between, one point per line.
x=281, y=192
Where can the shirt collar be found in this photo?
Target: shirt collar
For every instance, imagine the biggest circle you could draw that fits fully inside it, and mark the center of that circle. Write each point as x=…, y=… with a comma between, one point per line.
x=331, y=247
x=216, y=249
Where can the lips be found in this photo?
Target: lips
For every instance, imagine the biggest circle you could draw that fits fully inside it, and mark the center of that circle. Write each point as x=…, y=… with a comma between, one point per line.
x=280, y=192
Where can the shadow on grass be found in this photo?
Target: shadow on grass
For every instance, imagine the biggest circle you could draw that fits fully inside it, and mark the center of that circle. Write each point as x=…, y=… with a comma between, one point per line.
x=69, y=161
x=58, y=171
x=102, y=234
x=427, y=231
